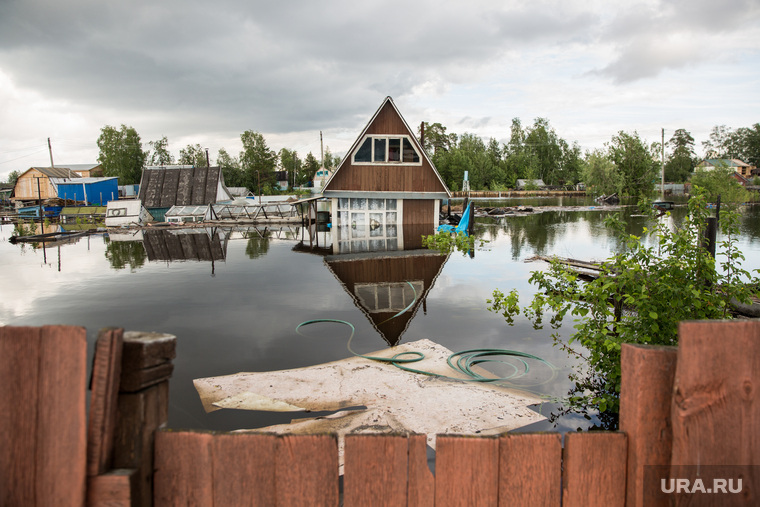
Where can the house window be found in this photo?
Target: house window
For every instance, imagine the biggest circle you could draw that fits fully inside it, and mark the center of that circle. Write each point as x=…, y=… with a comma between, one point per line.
x=367, y=224
x=387, y=150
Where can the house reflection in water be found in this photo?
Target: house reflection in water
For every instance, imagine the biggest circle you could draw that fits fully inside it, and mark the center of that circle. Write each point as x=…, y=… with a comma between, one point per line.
x=388, y=287
x=199, y=244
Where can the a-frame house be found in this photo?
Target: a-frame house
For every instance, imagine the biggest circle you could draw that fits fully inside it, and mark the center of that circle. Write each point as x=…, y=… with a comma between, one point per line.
x=385, y=181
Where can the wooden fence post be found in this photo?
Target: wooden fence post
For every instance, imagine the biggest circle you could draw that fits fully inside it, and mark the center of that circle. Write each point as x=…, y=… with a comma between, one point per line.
x=594, y=469
x=530, y=469
x=43, y=441
x=645, y=400
x=716, y=406
x=143, y=405
x=466, y=470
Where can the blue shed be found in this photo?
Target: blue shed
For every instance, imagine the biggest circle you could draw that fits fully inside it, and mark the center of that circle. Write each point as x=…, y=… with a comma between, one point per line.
x=90, y=190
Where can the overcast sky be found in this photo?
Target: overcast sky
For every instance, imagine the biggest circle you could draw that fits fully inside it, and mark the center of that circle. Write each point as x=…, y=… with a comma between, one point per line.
x=204, y=72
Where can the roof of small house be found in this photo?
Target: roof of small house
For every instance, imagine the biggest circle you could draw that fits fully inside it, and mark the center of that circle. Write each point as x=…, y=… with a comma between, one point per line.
x=727, y=162
x=54, y=172
x=185, y=185
x=524, y=183
x=379, y=179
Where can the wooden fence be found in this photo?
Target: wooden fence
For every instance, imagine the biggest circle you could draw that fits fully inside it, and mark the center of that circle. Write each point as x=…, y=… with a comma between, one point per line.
x=694, y=405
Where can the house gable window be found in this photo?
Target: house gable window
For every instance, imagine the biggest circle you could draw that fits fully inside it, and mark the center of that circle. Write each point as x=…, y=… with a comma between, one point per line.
x=375, y=149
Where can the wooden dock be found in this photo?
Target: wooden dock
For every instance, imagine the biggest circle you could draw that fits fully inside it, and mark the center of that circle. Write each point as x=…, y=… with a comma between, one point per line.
x=696, y=404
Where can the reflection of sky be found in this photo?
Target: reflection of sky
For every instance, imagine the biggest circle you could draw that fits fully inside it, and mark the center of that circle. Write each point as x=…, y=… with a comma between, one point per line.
x=244, y=317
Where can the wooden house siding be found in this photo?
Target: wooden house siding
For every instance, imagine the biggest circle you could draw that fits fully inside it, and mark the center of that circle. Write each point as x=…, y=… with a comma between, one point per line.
x=26, y=184
x=391, y=177
x=419, y=211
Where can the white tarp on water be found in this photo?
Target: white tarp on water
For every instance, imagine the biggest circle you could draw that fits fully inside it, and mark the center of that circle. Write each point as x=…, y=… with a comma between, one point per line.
x=397, y=401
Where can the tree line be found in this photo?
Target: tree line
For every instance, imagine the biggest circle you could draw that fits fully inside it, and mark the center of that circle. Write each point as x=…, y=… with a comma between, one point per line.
x=122, y=155
x=626, y=164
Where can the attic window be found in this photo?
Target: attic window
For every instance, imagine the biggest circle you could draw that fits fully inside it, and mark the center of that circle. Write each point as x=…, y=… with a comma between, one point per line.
x=387, y=150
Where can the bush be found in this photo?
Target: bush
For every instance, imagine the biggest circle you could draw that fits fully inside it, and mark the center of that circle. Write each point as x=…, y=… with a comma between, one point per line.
x=632, y=301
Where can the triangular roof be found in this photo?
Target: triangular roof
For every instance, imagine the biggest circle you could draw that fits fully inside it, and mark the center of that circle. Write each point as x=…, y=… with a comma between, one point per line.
x=388, y=271
x=54, y=172
x=346, y=162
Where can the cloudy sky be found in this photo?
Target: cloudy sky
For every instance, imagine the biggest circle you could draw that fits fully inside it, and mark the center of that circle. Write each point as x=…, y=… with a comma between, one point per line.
x=204, y=72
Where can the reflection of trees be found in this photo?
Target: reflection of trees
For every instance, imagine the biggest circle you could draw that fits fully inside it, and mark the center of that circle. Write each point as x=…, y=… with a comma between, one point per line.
x=257, y=246
x=123, y=253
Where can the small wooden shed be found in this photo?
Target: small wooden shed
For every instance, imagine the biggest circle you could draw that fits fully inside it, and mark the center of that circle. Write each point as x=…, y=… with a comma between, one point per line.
x=41, y=183
x=384, y=182
x=164, y=187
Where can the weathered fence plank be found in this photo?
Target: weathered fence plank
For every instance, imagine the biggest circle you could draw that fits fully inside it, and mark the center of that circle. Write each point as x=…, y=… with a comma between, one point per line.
x=306, y=470
x=19, y=372
x=530, y=469
x=115, y=488
x=375, y=470
x=466, y=471
x=421, y=487
x=645, y=404
x=61, y=452
x=594, y=469
x=104, y=388
x=244, y=471
x=716, y=407
x=183, y=469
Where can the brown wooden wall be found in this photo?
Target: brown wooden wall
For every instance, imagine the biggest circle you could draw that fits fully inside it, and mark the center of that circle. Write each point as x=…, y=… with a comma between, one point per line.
x=391, y=177
x=26, y=186
x=419, y=211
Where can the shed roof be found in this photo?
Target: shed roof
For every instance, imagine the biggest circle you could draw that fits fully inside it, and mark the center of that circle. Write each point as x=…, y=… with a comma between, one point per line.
x=164, y=188
x=728, y=162
x=55, y=172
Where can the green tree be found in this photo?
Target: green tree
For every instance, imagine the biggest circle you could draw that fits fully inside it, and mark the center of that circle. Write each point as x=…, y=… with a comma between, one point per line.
x=290, y=162
x=601, y=175
x=632, y=299
x=544, y=145
x=748, y=144
x=13, y=177
x=681, y=162
x=331, y=161
x=160, y=154
x=193, y=155
x=720, y=182
x=436, y=139
x=310, y=167
x=121, y=154
x=257, y=161
x=634, y=162
x=233, y=175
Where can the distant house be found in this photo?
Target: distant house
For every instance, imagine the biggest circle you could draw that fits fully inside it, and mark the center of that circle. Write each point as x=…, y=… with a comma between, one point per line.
x=239, y=192
x=85, y=170
x=731, y=163
x=526, y=184
x=320, y=178
x=164, y=187
x=281, y=178
x=386, y=180
x=41, y=183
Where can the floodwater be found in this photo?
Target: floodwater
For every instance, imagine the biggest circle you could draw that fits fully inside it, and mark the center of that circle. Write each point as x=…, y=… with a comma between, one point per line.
x=234, y=298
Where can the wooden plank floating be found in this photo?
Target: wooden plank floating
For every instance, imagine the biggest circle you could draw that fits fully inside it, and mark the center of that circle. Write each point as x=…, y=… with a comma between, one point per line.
x=466, y=471
x=594, y=470
x=645, y=403
x=530, y=469
x=376, y=469
x=104, y=385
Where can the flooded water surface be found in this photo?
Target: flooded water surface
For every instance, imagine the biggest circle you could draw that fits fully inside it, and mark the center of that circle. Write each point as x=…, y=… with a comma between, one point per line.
x=234, y=297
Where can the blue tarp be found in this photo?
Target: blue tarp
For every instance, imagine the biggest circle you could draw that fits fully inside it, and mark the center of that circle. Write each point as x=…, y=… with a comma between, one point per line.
x=90, y=190
x=463, y=223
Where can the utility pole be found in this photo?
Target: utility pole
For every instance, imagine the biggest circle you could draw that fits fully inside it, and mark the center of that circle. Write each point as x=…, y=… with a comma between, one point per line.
x=662, y=188
x=208, y=164
x=50, y=149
